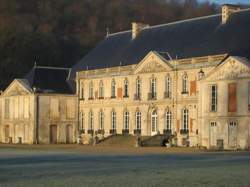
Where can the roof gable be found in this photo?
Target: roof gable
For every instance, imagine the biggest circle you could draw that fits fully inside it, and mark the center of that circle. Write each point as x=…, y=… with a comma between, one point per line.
x=17, y=87
x=152, y=62
x=232, y=68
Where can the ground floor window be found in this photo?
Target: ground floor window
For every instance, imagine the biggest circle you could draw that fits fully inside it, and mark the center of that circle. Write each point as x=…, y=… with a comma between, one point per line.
x=113, y=120
x=154, y=121
x=138, y=120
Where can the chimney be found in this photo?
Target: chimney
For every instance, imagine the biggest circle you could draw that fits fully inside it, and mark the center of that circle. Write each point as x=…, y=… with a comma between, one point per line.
x=227, y=10
x=137, y=28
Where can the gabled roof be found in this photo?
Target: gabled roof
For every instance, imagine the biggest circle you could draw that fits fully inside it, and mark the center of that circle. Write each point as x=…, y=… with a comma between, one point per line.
x=49, y=79
x=183, y=39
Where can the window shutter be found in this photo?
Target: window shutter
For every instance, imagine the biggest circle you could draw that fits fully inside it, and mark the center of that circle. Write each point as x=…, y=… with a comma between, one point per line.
x=232, y=97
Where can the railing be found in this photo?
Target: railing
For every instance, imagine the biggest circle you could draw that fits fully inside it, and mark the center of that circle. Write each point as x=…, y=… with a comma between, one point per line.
x=137, y=97
x=112, y=131
x=184, y=131
x=152, y=96
x=137, y=131
x=167, y=95
x=125, y=131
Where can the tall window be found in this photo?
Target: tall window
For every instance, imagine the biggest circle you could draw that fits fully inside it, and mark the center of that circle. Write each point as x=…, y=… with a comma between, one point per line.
x=185, y=83
x=138, y=89
x=154, y=121
x=81, y=88
x=168, y=119
x=101, y=90
x=91, y=120
x=81, y=124
x=125, y=88
x=101, y=120
x=153, y=88
x=213, y=104
x=168, y=87
x=113, y=88
x=113, y=120
x=185, y=119
x=91, y=90
x=249, y=96
x=138, y=120
x=7, y=108
x=126, y=120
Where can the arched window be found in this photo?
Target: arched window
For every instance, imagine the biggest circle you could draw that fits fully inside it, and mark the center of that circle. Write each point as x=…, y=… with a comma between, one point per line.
x=125, y=88
x=153, y=88
x=101, y=120
x=126, y=120
x=138, y=120
x=138, y=89
x=101, y=90
x=154, y=121
x=81, y=124
x=168, y=119
x=91, y=120
x=113, y=88
x=185, y=84
x=168, y=87
x=113, y=120
x=91, y=90
x=185, y=119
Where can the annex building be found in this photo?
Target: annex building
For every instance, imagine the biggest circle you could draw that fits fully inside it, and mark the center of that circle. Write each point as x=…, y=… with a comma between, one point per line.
x=189, y=80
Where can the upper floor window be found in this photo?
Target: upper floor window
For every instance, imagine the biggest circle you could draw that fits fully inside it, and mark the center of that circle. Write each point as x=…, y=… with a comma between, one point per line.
x=185, y=117
x=185, y=84
x=126, y=120
x=91, y=90
x=101, y=90
x=91, y=120
x=168, y=119
x=138, y=120
x=113, y=88
x=101, y=120
x=168, y=89
x=113, y=120
x=152, y=94
x=138, y=89
x=81, y=90
x=213, y=97
x=249, y=96
x=125, y=88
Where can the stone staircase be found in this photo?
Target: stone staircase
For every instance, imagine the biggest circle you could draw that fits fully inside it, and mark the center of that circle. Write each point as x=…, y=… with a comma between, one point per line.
x=154, y=141
x=118, y=140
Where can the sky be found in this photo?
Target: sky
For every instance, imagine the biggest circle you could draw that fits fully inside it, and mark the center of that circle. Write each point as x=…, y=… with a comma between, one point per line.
x=229, y=1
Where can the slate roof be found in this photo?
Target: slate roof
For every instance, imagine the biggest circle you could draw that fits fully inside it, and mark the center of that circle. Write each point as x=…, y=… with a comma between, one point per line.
x=49, y=80
x=183, y=39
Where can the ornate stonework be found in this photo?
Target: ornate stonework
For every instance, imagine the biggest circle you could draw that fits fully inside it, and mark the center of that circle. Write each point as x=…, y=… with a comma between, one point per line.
x=152, y=66
x=231, y=70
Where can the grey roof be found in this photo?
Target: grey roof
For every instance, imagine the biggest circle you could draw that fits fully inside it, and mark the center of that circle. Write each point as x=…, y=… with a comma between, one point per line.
x=49, y=80
x=183, y=39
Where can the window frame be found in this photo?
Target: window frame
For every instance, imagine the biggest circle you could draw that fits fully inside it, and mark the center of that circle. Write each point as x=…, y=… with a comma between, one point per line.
x=138, y=120
x=185, y=119
x=113, y=87
x=213, y=98
x=126, y=120
x=113, y=120
x=185, y=84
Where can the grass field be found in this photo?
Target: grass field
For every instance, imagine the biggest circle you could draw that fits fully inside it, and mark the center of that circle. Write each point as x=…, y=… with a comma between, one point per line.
x=59, y=166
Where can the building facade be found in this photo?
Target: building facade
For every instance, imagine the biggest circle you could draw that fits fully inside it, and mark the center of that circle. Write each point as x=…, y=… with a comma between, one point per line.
x=32, y=112
x=158, y=80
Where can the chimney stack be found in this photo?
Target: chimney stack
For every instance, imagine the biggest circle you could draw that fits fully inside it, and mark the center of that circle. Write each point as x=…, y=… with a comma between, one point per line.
x=227, y=10
x=137, y=28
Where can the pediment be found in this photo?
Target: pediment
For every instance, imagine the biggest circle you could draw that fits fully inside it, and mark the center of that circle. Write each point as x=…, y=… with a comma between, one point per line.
x=231, y=68
x=152, y=63
x=17, y=87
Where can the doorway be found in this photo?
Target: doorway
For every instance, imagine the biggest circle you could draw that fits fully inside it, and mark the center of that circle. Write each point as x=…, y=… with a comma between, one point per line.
x=154, y=123
x=213, y=134
x=6, y=134
x=69, y=134
x=53, y=134
x=232, y=134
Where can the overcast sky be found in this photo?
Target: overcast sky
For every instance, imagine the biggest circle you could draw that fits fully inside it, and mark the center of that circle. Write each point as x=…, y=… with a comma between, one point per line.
x=229, y=1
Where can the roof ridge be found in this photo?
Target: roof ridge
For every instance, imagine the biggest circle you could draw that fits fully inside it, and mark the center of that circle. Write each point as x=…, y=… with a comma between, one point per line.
x=51, y=67
x=120, y=32
x=181, y=21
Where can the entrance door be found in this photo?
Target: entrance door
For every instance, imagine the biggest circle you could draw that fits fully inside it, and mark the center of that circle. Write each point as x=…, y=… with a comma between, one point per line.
x=232, y=134
x=249, y=135
x=53, y=134
x=69, y=134
x=26, y=133
x=213, y=134
x=154, y=123
x=6, y=133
